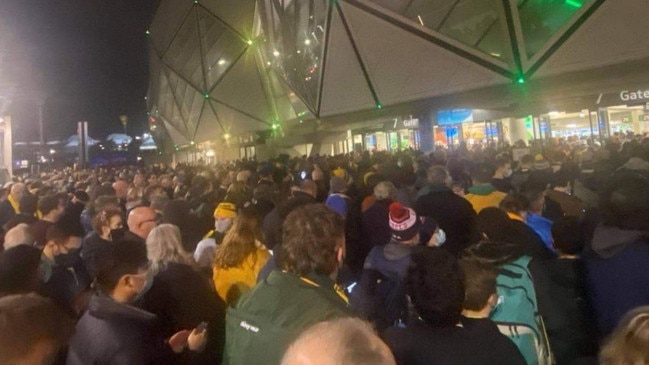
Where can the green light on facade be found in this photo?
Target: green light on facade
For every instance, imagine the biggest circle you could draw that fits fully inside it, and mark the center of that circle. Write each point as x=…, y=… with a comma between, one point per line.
x=520, y=80
x=195, y=1
x=275, y=126
x=148, y=32
x=574, y=3
x=379, y=106
x=206, y=96
x=249, y=42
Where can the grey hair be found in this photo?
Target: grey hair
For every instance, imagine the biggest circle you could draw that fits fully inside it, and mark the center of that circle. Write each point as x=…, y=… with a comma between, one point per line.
x=164, y=246
x=385, y=190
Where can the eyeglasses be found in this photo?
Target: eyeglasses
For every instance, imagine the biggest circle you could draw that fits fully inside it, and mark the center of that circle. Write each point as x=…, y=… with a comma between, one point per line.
x=154, y=220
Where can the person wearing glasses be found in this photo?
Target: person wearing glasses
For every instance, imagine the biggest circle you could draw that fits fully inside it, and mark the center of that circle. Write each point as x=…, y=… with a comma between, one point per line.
x=141, y=221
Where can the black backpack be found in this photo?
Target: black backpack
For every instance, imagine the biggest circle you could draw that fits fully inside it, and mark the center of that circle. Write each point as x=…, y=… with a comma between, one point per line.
x=380, y=298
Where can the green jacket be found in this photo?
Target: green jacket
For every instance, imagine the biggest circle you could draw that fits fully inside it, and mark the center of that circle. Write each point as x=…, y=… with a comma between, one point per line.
x=261, y=325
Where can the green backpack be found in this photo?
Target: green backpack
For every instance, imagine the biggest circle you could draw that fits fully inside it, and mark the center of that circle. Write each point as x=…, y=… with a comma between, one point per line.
x=517, y=314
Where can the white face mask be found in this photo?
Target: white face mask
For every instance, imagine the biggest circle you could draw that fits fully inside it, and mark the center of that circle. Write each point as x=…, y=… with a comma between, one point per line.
x=508, y=173
x=221, y=225
x=438, y=238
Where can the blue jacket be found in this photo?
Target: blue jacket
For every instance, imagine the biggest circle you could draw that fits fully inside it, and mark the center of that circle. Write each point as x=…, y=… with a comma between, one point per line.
x=617, y=266
x=543, y=227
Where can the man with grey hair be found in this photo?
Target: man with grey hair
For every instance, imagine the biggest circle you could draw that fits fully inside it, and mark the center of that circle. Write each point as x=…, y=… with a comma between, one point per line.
x=11, y=206
x=344, y=341
x=374, y=226
x=18, y=235
x=454, y=215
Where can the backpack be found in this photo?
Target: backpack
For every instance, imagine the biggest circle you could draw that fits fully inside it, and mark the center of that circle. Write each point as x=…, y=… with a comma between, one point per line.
x=380, y=296
x=516, y=314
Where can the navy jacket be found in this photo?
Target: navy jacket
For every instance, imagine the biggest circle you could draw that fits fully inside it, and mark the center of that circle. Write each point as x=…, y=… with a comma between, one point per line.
x=114, y=333
x=617, y=265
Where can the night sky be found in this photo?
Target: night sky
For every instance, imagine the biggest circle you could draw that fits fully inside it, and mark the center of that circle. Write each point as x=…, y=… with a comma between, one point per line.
x=87, y=57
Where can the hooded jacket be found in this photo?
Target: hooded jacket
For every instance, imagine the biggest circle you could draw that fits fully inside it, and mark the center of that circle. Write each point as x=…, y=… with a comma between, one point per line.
x=617, y=265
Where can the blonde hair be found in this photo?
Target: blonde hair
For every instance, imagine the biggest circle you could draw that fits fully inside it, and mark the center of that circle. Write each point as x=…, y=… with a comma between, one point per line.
x=629, y=343
x=239, y=242
x=164, y=245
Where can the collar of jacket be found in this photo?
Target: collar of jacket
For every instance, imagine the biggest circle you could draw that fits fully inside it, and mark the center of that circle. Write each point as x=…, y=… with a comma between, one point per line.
x=14, y=203
x=104, y=307
x=317, y=280
x=482, y=189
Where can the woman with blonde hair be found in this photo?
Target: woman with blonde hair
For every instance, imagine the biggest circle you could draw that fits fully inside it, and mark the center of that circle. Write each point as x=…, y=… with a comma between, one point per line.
x=164, y=246
x=239, y=258
x=179, y=295
x=629, y=343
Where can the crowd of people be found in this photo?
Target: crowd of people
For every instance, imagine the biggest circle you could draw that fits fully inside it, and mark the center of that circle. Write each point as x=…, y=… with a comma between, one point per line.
x=483, y=255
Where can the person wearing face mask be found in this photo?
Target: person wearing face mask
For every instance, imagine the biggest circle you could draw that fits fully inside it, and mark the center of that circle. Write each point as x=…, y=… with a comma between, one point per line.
x=431, y=234
x=107, y=228
x=240, y=257
x=502, y=176
x=113, y=331
x=380, y=297
x=64, y=276
x=224, y=215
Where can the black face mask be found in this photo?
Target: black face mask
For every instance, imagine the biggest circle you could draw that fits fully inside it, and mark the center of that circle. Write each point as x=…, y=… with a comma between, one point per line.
x=116, y=235
x=67, y=259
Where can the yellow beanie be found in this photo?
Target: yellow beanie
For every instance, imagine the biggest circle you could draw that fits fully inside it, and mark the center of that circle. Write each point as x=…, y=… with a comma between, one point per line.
x=225, y=210
x=341, y=173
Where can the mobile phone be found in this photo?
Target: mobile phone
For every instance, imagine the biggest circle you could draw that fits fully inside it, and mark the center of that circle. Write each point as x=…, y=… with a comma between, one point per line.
x=303, y=175
x=202, y=326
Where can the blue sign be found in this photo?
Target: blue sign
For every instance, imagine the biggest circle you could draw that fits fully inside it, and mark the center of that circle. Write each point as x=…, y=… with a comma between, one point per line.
x=454, y=116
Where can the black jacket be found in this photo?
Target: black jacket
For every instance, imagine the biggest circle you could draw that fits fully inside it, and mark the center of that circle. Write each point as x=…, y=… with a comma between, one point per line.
x=111, y=333
x=474, y=341
x=375, y=226
x=565, y=306
x=93, y=249
x=453, y=214
x=182, y=298
x=272, y=226
x=67, y=287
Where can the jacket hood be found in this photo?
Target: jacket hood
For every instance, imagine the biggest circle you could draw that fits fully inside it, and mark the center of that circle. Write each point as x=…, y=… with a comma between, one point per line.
x=481, y=189
x=104, y=307
x=396, y=251
x=609, y=241
x=495, y=253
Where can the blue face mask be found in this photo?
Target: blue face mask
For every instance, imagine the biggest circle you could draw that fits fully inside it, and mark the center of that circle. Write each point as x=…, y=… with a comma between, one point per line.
x=45, y=269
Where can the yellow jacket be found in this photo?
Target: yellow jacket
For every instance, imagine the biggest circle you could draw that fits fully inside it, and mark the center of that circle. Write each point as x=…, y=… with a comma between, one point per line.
x=230, y=283
x=484, y=196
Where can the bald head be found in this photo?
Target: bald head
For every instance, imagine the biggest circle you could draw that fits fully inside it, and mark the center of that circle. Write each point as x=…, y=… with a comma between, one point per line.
x=17, y=191
x=121, y=188
x=141, y=221
x=344, y=341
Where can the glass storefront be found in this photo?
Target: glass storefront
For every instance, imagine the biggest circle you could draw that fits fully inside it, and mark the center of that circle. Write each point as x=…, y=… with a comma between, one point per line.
x=471, y=133
x=387, y=141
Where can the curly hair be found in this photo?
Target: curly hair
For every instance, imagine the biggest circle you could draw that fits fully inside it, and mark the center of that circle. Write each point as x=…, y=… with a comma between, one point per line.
x=435, y=284
x=102, y=219
x=311, y=235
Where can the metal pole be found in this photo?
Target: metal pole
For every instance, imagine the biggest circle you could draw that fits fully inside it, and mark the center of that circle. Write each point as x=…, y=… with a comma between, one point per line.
x=590, y=121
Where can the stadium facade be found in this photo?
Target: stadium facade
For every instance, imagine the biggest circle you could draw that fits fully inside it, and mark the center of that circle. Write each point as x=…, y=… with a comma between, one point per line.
x=231, y=79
